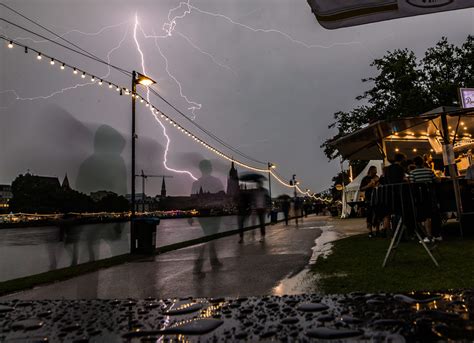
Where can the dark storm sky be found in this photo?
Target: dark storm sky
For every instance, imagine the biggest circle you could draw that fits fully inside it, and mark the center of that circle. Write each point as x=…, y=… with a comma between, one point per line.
x=271, y=94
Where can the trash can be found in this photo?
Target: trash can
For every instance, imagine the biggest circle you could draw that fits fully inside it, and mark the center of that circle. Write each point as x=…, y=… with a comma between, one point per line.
x=273, y=217
x=143, y=235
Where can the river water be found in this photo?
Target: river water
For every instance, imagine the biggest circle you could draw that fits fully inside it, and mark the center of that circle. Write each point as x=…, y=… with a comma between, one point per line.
x=34, y=250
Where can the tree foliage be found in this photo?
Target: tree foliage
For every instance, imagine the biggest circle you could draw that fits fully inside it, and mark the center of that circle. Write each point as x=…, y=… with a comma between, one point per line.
x=35, y=194
x=406, y=86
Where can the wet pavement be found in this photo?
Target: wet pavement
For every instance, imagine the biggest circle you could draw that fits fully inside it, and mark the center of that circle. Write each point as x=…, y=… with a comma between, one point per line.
x=292, y=318
x=218, y=268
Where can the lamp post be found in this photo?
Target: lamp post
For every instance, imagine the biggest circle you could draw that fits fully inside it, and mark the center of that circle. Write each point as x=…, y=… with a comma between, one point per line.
x=137, y=78
x=270, y=167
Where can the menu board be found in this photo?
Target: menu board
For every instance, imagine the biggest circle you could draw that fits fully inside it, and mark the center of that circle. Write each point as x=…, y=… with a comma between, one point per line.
x=467, y=97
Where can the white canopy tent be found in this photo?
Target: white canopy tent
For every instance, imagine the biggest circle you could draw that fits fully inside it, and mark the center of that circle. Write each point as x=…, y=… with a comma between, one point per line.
x=351, y=191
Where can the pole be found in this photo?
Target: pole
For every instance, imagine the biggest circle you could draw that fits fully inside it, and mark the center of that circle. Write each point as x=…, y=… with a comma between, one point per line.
x=134, y=88
x=448, y=150
x=143, y=190
x=270, y=181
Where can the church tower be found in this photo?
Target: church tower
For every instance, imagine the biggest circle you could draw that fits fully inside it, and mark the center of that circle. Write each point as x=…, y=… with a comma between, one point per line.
x=232, y=181
x=163, y=188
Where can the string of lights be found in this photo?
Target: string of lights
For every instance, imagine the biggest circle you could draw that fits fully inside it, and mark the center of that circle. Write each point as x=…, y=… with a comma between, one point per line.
x=121, y=70
x=125, y=91
x=62, y=38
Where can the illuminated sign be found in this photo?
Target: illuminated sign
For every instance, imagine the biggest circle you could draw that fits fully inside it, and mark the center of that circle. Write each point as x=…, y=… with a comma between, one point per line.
x=467, y=97
x=335, y=14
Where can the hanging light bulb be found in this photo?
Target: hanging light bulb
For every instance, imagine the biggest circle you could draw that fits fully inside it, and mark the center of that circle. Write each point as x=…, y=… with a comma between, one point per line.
x=83, y=75
x=75, y=71
x=10, y=45
x=92, y=79
x=110, y=85
x=63, y=66
x=118, y=89
x=26, y=49
x=100, y=83
x=39, y=56
x=51, y=62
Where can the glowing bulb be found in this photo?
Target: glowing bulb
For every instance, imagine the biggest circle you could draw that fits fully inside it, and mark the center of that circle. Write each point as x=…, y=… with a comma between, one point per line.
x=397, y=150
x=39, y=56
x=415, y=150
x=118, y=89
x=83, y=75
x=10, y=45
x=92, y=79
x=110, y=85
x=75, y=71
x=63, y=66
x=51, y=62
x=100, y=83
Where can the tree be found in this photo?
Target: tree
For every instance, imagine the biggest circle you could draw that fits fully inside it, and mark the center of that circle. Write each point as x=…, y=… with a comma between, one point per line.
x=406, y=87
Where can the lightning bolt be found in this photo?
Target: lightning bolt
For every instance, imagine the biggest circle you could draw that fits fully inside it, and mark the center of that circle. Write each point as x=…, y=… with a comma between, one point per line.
x=75, y=31
x=165, y=157
x=213, y=59
x=172, y=24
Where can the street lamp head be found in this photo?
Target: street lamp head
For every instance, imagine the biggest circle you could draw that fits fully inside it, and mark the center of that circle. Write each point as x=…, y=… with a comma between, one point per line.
x=144, y=80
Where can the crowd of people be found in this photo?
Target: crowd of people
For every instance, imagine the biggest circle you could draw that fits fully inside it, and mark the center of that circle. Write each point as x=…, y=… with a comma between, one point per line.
x=420, y=170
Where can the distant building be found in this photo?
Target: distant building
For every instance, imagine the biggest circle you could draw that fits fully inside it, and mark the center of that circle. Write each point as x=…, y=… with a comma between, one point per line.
x=51, y=181
x=5, y=196
x=163, y=188
x=65, y=184
x=232, y=181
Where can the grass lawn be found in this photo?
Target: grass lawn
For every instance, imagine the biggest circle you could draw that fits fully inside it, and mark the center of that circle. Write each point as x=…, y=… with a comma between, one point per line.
x=355, y=264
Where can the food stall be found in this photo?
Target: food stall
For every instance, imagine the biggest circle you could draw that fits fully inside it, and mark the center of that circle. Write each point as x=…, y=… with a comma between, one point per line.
x=445, y=133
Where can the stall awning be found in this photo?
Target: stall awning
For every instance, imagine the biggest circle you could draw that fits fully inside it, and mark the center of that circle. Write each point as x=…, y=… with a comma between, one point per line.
x=404, y=134
x=335, y=14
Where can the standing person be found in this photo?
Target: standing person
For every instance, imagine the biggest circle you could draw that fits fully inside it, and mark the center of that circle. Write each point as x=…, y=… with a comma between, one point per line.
x=428, y=161
x=394, y=174
x=423, y=174
x=243, y=200
x=259, y=204
x=368, y=183
x=210, y=225
x=470, y=174
x=285, y=207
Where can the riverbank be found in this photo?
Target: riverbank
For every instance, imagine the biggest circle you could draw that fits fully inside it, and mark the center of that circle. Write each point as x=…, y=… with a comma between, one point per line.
x=92, y=218
x=205, y=266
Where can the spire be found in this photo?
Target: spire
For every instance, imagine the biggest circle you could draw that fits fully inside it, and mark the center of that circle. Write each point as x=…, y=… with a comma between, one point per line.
x=163, y=188
x=65, y=184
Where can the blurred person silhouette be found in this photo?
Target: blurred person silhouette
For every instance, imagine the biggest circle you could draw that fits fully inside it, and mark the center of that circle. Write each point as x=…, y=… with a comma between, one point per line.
x=260, y=203
x=244, y=203
x=105, y=168
x=207, y=184
x=285, y=206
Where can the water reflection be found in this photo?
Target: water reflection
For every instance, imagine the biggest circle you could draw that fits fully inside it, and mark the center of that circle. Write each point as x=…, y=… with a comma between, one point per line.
x=34, y=250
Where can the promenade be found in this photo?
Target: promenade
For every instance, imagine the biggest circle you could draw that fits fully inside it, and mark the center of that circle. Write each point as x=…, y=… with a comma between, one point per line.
x=222, y=267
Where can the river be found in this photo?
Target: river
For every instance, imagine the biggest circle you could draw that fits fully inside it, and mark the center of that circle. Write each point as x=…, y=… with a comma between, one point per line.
x=33, y=250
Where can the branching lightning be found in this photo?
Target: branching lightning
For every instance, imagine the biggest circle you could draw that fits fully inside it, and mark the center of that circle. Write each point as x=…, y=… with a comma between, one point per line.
x=165, y=157
x=172, y=24
x=75, y=31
